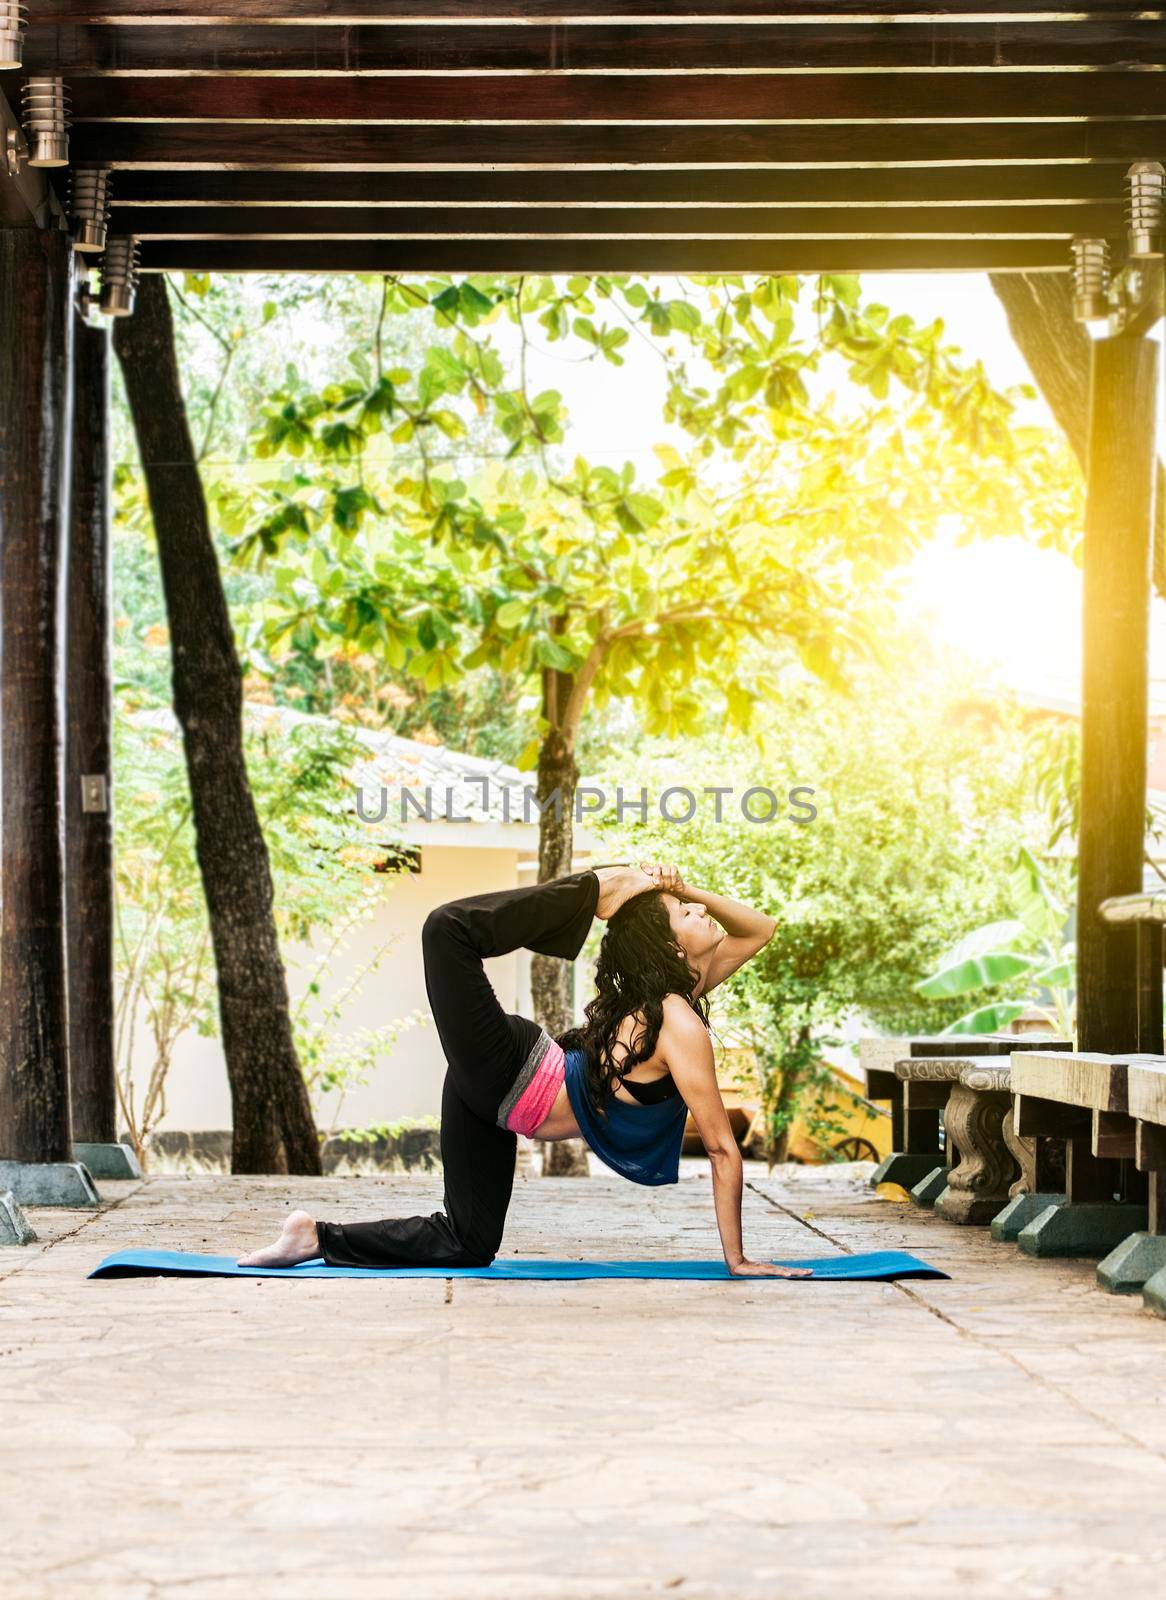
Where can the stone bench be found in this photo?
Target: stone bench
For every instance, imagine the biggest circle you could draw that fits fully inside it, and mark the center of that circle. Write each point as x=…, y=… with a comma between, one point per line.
x=993, y=1165
x=917, y=1148
x=876, y=1058
x=925, y=1085
x=984, y=1166
x=1081, y=1100
x=1139, y=1261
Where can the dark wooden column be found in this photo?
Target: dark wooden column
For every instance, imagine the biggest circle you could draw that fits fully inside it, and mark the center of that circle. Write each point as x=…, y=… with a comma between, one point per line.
x=35, y=341
x=88, y=770
x=1118, y=543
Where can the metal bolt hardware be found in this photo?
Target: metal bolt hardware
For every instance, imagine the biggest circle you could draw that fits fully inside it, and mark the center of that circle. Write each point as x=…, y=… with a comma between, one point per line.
x=46, y=122
x=15, y=151
x=1090, y=279
x=13, y=25
x=89, y=204
x=93, y=795
x=87, y=298
x=119, y=275
x=1146, y=208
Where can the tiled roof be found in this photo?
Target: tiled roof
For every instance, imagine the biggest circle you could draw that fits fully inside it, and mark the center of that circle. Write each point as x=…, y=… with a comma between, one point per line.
x=480, y=790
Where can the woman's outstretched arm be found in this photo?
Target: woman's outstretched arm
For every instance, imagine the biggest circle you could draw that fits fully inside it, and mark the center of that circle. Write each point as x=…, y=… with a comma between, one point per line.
x=688, y=1050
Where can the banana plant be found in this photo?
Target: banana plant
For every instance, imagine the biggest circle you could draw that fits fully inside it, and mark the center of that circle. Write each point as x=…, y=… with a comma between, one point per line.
x=1025, y=955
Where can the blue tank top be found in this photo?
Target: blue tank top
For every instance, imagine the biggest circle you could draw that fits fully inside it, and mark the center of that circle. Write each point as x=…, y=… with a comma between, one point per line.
x=640, y=1142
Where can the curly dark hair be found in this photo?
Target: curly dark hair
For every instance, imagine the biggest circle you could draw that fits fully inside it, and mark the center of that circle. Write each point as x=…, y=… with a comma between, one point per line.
x=639, y=963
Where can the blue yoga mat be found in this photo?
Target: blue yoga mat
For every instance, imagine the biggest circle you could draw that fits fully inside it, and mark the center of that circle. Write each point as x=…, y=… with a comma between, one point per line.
x=881, y=1264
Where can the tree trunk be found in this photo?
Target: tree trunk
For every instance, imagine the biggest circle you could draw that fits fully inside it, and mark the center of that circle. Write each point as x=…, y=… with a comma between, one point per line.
x=778, y=1153
x=789, y=1091
x=273, y=1125
x=89, y=815
x=551, y=979
x=36, y=321
x=1039, y=306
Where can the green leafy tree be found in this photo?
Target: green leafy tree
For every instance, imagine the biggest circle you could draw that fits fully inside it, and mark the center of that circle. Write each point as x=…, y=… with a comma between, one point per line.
x=584, y=581
x=915, y=826
x=1027, y=955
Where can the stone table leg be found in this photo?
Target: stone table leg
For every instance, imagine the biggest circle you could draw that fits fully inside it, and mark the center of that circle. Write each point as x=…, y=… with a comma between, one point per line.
x=1041, y=1183
x=978, y=1187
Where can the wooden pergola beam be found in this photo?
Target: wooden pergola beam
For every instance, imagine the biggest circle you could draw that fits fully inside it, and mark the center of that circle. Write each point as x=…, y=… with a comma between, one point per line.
x=602, y=256
x=624, y=222
x=910, y=188
x=188, y=50
x=636, y=98
x=121, y=13
x=1119, y=44
x=323, y=145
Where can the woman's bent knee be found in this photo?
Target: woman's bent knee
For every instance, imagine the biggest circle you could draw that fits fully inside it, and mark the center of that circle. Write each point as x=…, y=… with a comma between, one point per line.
x=439, y=924
x=481, y=1246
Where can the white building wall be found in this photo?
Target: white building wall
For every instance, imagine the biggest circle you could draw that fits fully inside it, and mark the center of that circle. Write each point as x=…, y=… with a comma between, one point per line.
x=407, y=1082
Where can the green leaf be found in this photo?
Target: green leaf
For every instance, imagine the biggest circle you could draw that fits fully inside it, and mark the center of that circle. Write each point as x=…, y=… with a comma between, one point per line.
x=988, y=1019
x=683, y=316
x=646, y=510
x=1036, y=905
x=549, y=652
x=475, y=302
x=990, y=936
x=511, y=614
x=979, y=972
x=448, y=301
x=1058, y=975
x=380, y=400
x=445, y=365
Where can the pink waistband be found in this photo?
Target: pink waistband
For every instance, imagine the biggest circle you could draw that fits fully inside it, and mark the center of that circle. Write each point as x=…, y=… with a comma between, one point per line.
x=534, y=1104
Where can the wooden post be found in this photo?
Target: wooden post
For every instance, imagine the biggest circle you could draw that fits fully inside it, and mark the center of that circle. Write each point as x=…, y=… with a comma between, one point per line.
x=88, y=790
x=35, y=338
x=1149, y=949
x=1118, y=540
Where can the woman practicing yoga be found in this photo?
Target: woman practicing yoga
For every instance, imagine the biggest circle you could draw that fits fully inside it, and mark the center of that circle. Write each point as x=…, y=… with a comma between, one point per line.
x=624, y=1082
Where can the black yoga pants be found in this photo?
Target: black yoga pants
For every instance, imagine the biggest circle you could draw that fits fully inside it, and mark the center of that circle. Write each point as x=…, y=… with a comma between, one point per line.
x=485, y=1047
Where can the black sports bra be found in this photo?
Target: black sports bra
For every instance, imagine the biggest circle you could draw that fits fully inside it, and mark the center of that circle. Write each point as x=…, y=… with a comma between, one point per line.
x=653, y=1093
x=647, y=1094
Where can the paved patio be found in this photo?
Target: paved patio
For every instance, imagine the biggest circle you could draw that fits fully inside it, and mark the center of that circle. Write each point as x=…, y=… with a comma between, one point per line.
x=1002, y=1433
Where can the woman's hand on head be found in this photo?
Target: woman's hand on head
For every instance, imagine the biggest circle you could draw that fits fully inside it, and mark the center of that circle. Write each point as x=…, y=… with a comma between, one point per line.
x=665, y=875
x=768, y=1269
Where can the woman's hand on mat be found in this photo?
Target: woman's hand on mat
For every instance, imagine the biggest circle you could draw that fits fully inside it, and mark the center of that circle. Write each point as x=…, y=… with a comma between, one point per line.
x=665, y=875
x=768, y=1269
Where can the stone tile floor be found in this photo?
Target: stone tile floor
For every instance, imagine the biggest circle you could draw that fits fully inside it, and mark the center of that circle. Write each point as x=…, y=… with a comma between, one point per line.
x=1002, y=1434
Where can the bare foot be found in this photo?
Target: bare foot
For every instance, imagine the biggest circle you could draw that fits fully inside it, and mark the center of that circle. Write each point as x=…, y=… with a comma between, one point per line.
x=298, y=1242
x=617, y=885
